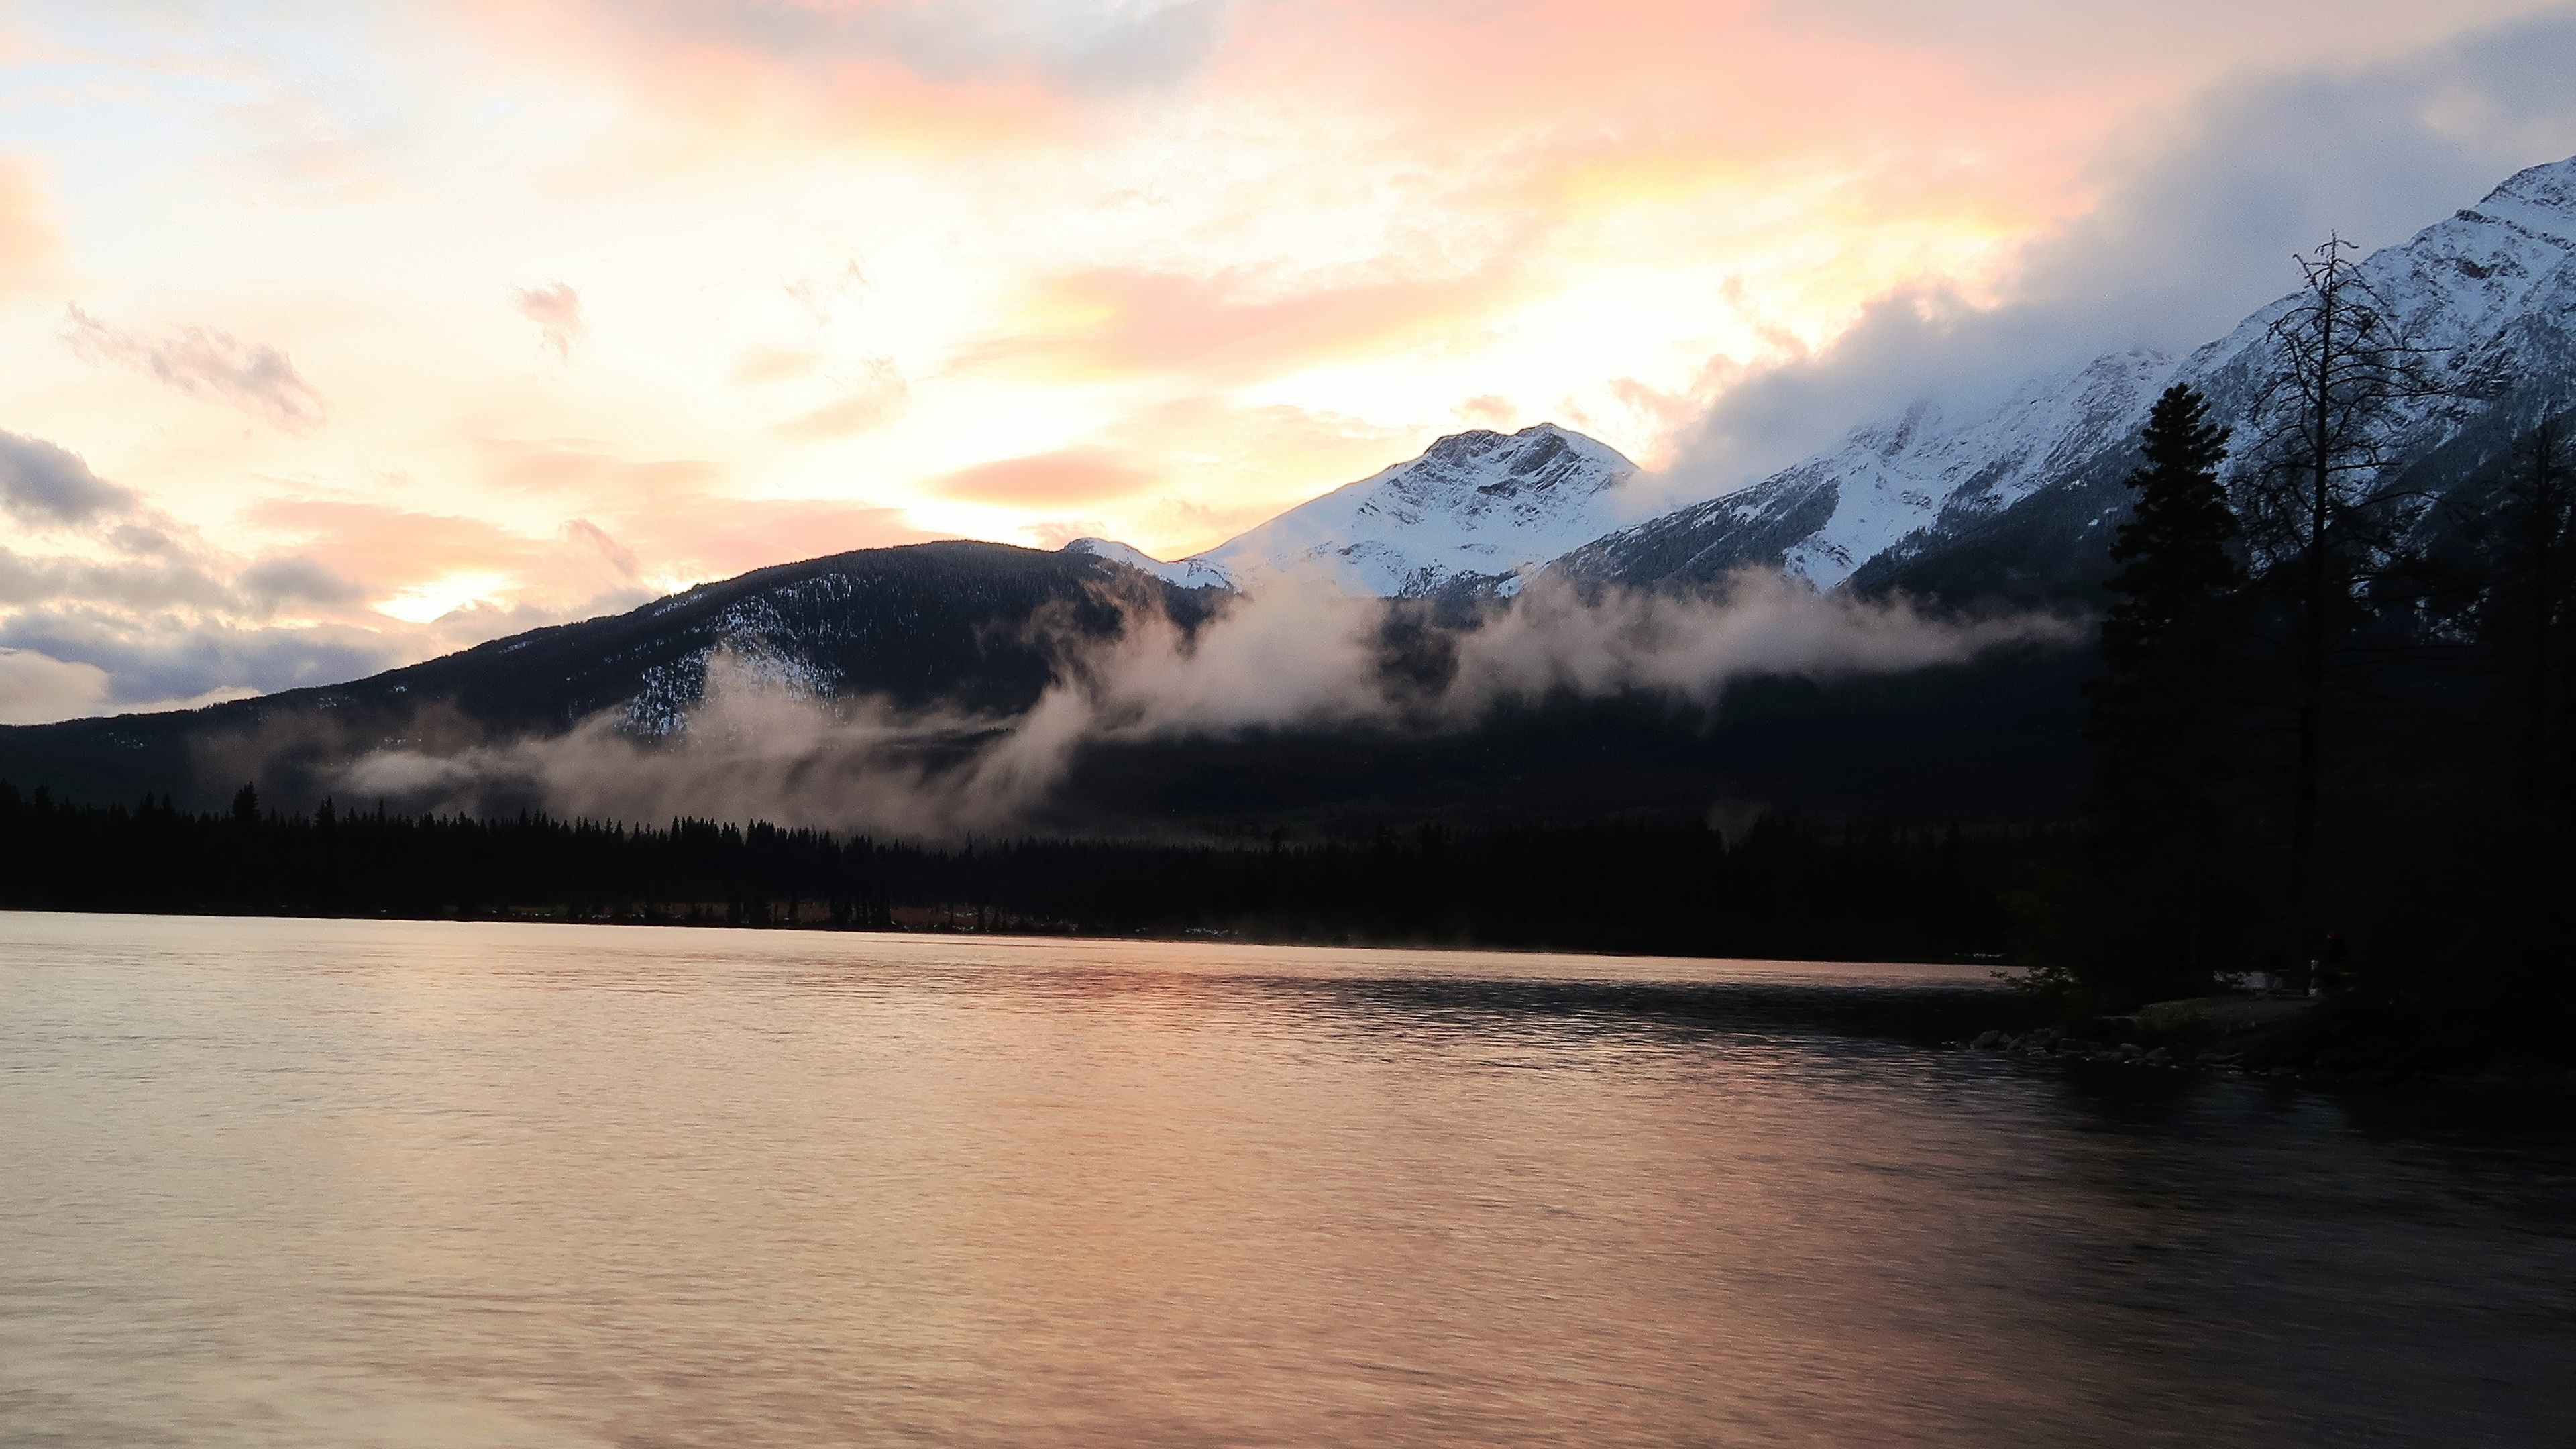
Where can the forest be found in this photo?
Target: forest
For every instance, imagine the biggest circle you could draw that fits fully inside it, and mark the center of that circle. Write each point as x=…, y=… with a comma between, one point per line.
x=1774, y=889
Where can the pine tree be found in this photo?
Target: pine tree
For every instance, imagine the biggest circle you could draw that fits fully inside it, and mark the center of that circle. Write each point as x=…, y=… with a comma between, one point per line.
x=2174, y=548
x=2158, y=713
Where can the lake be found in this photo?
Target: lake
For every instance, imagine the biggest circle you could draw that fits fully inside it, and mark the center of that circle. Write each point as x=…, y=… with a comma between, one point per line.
x=273, y=1182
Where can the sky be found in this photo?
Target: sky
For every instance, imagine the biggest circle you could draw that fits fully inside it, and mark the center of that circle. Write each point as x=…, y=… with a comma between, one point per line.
x=334, y=336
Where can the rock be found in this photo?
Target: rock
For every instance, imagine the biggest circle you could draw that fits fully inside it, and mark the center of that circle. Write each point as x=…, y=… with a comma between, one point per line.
x=1986, y=1039
x=2160, y=1056
x=2132, y=1049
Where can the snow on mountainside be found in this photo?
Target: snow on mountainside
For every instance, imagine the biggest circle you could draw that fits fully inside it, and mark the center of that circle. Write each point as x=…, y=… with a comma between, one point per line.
x=1475, y=506
x=1822, y=518
x=2031, y=485
x=1189, y=573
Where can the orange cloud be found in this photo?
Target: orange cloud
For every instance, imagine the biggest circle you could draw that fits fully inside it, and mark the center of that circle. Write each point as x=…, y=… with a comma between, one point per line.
x=1115, y=321
x=30, y=249
x=754, y=366
x=715, y=538
x=387, y=547
x=592, y=473
x=1047, y=480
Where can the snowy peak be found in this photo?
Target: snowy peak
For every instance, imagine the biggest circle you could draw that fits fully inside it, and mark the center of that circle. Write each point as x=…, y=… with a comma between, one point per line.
x=2490, y=290
x=2468, y=283
x=2539, y=199
x=1478, y=505
x=2025, y=489
x=1923, y=469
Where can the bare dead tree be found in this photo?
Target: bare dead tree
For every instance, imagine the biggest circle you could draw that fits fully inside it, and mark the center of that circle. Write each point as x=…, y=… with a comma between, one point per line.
x=2323, y=517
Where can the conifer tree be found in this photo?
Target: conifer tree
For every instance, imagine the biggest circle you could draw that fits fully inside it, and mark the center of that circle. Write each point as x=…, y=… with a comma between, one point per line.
x=2174, y=549
x=2157, y=714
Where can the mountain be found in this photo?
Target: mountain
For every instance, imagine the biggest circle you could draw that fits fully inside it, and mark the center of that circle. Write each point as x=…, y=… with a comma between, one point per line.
x=947, y=623
x=1476, y=506
x=943, y=621
x=1892, y=482
x=2018, y=499
x=1189, y=573
x=2014, y=499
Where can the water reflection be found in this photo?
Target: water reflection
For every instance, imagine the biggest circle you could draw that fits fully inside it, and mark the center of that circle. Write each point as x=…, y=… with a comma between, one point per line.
x=321, y=1183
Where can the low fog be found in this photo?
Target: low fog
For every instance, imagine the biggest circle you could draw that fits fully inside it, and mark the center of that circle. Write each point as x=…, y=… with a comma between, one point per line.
x=1289, y=658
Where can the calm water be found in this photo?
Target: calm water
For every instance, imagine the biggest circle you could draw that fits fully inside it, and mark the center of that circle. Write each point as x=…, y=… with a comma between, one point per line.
x=353, y=1184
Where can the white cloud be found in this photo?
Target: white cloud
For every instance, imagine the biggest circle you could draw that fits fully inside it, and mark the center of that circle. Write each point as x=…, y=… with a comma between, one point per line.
x=38, y=689
x=2200, y=213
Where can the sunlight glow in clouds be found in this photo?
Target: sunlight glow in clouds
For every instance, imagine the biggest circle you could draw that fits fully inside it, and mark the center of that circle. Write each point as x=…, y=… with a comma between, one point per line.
x=412, y=323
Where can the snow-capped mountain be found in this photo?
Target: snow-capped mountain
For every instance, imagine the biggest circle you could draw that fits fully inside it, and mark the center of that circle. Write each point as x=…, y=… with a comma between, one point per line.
x=2018, y=496
x=1475, y=506
x=1822, y=518
x=2022, y=496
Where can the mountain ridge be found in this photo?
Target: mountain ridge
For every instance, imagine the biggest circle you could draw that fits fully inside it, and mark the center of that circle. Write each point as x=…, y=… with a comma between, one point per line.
x=1907, y=501
x=2491, y=288
x=1474, y=506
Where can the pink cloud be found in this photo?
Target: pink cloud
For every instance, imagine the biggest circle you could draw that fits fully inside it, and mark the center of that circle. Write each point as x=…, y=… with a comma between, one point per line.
x=1219, y=328
x=1047, y=480
x=713, y=538
x=593, y=473
x=556, y=310
x=30, y=248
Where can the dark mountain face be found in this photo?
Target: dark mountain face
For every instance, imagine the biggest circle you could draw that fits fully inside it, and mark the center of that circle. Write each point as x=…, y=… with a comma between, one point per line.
x=945, y=621
x=971, y=627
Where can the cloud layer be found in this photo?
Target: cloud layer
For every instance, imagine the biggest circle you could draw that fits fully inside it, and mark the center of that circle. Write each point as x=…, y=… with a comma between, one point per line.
x=1284, y=659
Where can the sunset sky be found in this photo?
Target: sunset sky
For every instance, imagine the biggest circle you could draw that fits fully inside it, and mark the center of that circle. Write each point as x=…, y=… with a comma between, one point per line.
x=336, y=335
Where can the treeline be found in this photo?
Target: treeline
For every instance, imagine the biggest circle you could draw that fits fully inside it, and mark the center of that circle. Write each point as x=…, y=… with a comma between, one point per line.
x=2333, y=732
x=1776, y=889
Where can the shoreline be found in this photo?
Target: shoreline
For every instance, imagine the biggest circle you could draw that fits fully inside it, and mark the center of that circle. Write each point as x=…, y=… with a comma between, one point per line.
x=2316, y=1042
x=1991, y=963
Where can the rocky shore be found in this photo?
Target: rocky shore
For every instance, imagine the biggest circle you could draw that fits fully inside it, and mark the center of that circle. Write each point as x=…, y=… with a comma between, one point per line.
x=2326, y=1043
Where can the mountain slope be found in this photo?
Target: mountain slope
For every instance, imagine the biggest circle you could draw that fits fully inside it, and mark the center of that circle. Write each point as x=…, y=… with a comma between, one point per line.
x=2019, y=499
x=1474, y=506
x=919, y=622
x=1923, y=470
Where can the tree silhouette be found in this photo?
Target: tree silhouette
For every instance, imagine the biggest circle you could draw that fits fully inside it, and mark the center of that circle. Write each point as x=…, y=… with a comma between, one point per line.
x=2321, y=510
x=2157, y=713
x=2530, y=613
